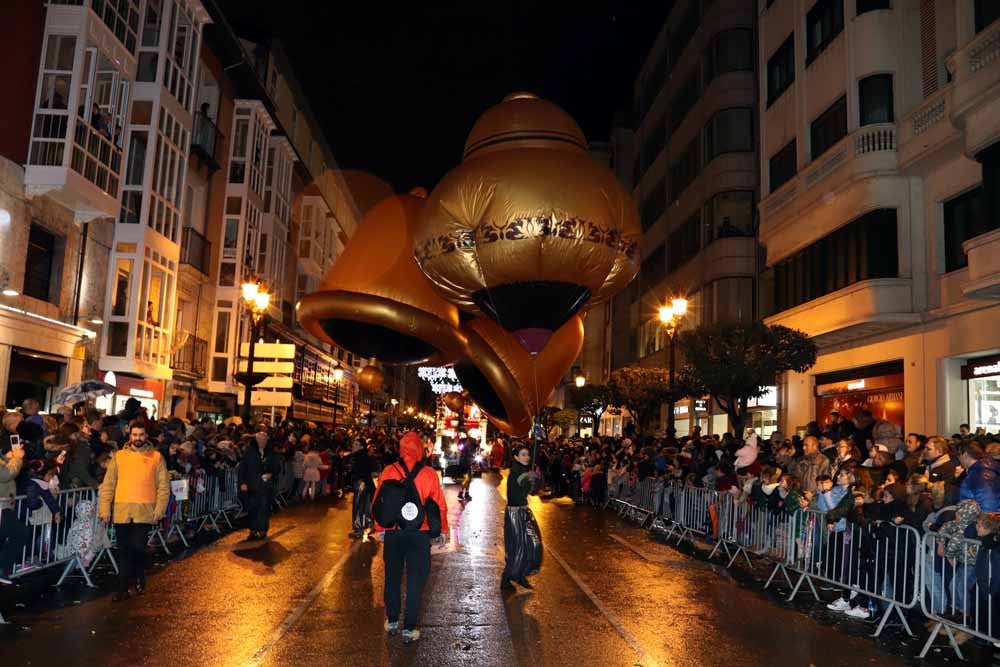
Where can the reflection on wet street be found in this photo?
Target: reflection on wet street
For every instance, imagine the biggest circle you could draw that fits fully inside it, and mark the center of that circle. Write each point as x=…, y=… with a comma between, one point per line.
x=308, y=595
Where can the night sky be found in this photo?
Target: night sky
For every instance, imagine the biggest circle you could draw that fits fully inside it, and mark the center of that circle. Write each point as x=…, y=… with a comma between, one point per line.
x=398, y=85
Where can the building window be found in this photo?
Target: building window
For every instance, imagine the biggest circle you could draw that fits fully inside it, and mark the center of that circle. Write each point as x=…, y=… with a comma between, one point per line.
x=829, y=128
x=684, y=242
x=653, y=268
x=864, y=249
x=729, y=131
x=823, y=23
x=964, y=219
x=683, y=32
x=42, y=265
x=781, y=70
x=729, y=214
x=875, y=95
x=653, y=206
x=871, y=5
x=782, y=166
x=685, y=169
x=654, y=143
x=684, y=100
x=729, y=51
x=987, y=11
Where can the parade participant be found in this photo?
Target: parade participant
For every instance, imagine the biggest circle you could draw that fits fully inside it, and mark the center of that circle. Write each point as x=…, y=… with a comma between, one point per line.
x=136, y=487
x=362, y=468
x=465, y=459
x=258, y=473
x=521, y=537
x=409, y=508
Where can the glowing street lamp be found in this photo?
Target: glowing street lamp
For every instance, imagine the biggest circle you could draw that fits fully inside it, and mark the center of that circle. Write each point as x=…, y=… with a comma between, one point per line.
x=671, y=317
x=338, y=375
x=256, y=301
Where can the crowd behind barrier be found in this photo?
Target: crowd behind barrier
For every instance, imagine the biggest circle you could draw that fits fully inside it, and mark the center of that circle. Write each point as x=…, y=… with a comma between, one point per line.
x=52, y=467
x=891, y=568
x=907, y=532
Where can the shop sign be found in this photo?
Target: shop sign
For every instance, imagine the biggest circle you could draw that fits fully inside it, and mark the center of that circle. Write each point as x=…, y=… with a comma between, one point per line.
x=680, y=409
x=859, y=385
x=981, y=368
x=700, y=405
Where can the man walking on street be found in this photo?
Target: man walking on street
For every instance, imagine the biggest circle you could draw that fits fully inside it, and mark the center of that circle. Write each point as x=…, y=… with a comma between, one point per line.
x=137, y=487
x=258, y=474
x=407, y=542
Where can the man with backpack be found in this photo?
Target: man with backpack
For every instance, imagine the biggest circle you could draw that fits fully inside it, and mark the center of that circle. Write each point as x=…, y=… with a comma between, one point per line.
x=409, y=511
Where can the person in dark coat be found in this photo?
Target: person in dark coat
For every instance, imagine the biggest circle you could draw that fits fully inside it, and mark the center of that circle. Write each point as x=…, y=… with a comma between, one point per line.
x=521, y=537
x=362, y=468
x=258, y=474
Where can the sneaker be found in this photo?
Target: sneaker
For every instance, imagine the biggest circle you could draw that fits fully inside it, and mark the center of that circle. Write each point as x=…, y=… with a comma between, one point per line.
x=410, y=636
x=858, y=612
x=391, y=628
x=840, y=604
x=6, y=582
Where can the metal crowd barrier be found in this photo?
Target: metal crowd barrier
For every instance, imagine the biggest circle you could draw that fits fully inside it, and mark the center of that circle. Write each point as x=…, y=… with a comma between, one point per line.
x=638, y=501
x=877, y=560
x=50, y=544
x=210, y=498
x=957, y=591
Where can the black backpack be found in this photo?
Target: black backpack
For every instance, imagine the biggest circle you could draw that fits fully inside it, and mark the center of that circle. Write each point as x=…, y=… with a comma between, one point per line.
x=398, y=503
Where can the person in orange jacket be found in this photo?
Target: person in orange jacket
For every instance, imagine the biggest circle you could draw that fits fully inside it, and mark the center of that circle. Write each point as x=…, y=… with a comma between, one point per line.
x=410, y=548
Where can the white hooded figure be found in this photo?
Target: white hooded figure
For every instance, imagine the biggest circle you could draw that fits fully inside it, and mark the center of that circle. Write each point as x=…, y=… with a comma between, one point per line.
x=81, y=534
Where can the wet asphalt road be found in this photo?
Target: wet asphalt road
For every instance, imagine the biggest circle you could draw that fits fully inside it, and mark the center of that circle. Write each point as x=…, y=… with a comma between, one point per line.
x=606, y=595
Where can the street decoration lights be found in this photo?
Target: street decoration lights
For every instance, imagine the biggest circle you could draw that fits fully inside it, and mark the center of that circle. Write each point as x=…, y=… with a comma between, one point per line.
x=338, y=375
x=671, y=319
x=256, y=300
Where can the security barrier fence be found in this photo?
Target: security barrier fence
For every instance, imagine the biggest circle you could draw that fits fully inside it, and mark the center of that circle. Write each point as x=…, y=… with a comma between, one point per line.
x=892, y=568
x=71, y=535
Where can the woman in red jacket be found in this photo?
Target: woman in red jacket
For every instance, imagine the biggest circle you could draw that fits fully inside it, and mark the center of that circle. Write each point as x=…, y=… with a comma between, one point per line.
x=409, y=548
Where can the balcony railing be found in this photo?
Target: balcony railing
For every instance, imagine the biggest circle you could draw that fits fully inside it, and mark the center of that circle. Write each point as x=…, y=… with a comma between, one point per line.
x=196, y=250
x=191, y=358
x=205, y=140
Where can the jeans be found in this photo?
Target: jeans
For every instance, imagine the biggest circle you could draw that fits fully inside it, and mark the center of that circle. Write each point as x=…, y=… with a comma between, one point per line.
x=409, y=549
x=132, y=539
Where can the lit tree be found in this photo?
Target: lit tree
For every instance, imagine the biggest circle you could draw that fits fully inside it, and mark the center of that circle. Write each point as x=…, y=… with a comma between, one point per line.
x=590, y=399
x=733, y=362
x=641, y=391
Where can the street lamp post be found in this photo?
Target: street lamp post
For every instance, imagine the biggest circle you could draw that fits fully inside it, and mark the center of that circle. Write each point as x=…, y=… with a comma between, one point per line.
x=671, y=317
x=256, y=301
x=579, y=380
x=338, y=375
x=392, y=416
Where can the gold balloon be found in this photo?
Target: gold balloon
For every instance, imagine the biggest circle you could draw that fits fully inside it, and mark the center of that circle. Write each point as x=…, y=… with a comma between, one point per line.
x=529, y=229
x=370, y=378
x=454, y=400
x=509, y=384
x=375, y=302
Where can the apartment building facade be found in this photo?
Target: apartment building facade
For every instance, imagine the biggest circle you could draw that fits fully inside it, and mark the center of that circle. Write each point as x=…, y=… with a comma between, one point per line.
x=152, y=162
x=694, y=178
x=879, y=123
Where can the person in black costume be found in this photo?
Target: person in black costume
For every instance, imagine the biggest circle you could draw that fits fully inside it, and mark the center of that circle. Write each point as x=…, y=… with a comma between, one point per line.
x=521, y=536
x=362, y=467
x=258, y=473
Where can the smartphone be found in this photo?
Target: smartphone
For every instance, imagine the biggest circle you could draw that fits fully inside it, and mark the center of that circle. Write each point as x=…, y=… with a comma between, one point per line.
x=15, y=442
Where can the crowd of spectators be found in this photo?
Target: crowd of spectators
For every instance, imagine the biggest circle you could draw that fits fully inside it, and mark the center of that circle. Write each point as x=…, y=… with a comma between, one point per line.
x=70, y=449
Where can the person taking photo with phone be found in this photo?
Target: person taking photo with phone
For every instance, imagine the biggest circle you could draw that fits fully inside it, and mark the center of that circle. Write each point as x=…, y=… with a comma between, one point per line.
x=13, y=534
x=134, y=494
